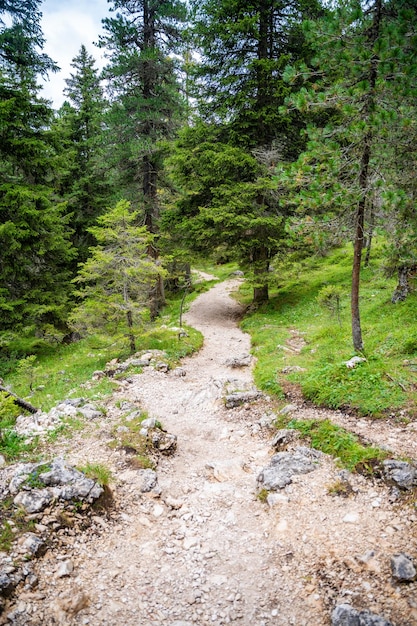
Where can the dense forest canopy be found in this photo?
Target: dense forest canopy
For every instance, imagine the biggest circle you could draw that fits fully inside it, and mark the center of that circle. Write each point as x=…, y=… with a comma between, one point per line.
x=249, y=131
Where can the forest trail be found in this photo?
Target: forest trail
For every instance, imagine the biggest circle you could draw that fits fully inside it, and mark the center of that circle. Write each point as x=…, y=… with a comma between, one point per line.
x=208, y=551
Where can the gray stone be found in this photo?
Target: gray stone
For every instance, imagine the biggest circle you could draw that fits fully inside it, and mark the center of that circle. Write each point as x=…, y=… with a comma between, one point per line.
x=149, y=480
x=7, y=584
x=237, y=273
x=241, y=397
x=162, y=367
x=345, y=615
x=150, y=422
x=288, y=408
x=140, y=362
x=283, y=437
x=34, y=500
x=284, y=465
x=74, y=401
x=402, y=567
x=65, y=568
x=243, y=361
x=403, y=474
x=289, y=369
x=75, y=484
x=32, y=544
x=180, y=372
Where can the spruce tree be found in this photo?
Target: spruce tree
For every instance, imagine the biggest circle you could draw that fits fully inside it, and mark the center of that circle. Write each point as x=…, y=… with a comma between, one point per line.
x=33, y=234
x=86, y=185
x=144, y=91
x=365, y=65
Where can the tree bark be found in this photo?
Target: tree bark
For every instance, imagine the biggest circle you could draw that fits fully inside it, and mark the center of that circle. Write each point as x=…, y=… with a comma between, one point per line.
x=403, y=288
x=22, y=403
x=260, y=259
x=130, y=334
x=363, y=184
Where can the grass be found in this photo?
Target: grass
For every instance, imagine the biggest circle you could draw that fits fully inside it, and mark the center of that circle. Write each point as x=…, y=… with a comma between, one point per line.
x=339, y=443
x=385, y=384
x=98, y=472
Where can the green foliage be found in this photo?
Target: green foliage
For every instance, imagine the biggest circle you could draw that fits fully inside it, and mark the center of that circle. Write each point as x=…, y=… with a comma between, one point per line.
x=98, y=472
x=117, y=277
x=27, y=369
x=14, y=446
x=383, y=384
x=339, y=443
x=329, y=298
x=9, y=411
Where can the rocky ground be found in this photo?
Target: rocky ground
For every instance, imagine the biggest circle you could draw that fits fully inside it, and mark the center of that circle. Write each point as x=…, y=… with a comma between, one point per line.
x=202, y=547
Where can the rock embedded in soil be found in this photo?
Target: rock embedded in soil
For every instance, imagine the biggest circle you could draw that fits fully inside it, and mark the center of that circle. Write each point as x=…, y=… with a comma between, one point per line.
x=403, y=474
x=284, y=465
x=345, y=615
x=238, y=398
x=402, y=568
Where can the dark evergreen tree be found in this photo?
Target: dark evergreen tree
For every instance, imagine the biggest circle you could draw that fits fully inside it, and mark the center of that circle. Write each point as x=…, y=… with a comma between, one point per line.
x=145, y=95
x=33, y=235
x=365, y=66
x=86, y=183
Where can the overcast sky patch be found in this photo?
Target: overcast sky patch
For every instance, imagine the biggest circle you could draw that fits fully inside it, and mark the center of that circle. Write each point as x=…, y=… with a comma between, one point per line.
x=66, y=25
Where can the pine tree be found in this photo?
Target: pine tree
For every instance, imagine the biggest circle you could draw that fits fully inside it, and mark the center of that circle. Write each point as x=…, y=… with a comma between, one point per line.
x=86, y=185
x=115, y=279
x=365, y=65
x=33, y=234
x=145, y=96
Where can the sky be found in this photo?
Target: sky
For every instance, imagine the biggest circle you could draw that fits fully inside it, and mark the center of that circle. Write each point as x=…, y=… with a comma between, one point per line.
x=66, y=24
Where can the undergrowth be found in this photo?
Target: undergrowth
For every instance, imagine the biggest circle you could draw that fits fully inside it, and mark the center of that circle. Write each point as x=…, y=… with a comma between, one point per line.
x=384, y=384
x=339, y=443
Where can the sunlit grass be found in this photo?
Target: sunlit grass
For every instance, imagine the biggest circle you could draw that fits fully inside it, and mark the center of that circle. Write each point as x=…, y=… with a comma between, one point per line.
x=385, y=382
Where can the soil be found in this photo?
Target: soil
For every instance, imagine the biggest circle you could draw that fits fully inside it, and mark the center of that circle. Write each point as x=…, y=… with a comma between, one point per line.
x=208, y=550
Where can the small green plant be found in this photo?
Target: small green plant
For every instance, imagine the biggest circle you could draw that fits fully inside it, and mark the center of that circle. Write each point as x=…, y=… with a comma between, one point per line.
x=33, y=479
x=329, y=298
x=7, y=537
x=14, y=446
x=263, y=495
x=141, y=461
x=9, y=411
x=340, y=488
x=98, y=472
x=27, y=369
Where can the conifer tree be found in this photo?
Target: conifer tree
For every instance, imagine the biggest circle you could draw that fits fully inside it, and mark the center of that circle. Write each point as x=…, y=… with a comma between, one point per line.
x=86, y=185
x=33, y=234
x=116, y=277
x=365, y=65
x=145, y=99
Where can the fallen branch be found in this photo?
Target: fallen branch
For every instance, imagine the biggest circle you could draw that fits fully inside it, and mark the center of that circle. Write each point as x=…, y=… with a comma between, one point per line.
x=22, y=403
x=397, y=382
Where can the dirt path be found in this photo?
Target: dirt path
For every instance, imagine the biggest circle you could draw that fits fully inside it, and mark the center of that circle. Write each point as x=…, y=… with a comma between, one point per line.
x=208, y=551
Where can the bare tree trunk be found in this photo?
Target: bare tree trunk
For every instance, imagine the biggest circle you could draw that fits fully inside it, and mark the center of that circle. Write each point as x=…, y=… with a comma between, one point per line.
x=131, y=334
x=261, y=267
x=22, y=403
x=363, y=185
x=403, y=288
x=370, y=236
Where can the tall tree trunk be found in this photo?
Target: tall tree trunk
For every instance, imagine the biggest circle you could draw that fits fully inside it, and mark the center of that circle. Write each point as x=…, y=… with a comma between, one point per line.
x=370, y=236
x=363, y=184
x=130, y=333
x=149, y=165
x=260, y=269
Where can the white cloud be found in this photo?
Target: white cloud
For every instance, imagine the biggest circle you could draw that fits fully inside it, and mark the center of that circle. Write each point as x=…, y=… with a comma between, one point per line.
x=66, y=25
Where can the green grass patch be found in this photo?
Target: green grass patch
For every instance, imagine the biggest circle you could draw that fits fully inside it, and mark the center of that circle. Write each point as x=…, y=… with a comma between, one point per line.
x=311, y=301
x=339, y=443
x=98, y=472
